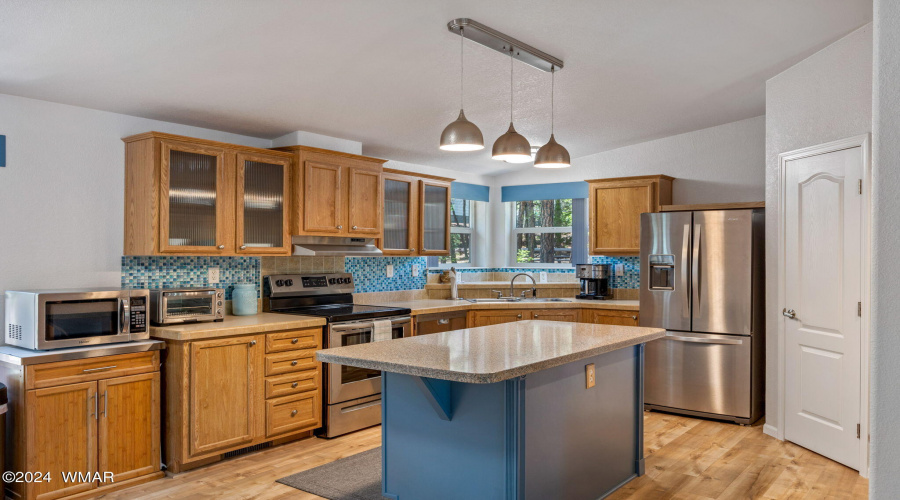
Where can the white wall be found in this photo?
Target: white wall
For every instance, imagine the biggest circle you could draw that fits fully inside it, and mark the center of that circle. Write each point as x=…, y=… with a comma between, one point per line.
x=62, y=192
x=725, y=163
x=825, y=97
x=884, y=479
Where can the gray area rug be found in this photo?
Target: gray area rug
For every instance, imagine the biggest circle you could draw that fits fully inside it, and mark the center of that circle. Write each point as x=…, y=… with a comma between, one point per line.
x=357, y=477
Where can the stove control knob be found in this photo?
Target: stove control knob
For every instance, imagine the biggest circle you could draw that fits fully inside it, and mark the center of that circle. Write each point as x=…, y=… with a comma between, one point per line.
x=348, y=280
x=331, y=281
x=279, y=282
x=288, y=282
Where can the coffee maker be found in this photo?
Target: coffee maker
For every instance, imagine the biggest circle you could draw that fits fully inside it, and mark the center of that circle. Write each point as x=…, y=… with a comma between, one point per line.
x=594, y=281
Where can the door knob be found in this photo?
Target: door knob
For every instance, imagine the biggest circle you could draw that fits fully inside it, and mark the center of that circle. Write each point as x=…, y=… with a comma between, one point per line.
x=294, y=341
x=294, y=385
x=354, y=228
x=221, y=247
x=252, y=342
x=789, y=313
x=294, y=413
x=340, y=227
x=243, y=247
x=294, y=363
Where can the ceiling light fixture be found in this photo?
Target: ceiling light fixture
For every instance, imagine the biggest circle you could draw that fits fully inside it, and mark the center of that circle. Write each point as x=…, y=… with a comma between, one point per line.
x=511, y=147
x=552, y=154
x=461, y=135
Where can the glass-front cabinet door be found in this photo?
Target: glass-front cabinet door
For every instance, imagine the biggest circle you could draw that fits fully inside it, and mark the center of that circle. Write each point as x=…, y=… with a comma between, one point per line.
x=192, y=199
x=434, y=217
x=261, y=222
x=400, y=202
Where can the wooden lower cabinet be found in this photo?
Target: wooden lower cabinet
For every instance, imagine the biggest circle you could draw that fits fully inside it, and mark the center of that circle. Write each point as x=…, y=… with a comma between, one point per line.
x=489, y=317
x=226, y=394
x=106, y=422
x=610, y=317
x=572, y=315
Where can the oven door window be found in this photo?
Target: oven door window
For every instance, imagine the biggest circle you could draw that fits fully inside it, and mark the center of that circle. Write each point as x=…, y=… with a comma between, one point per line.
x=81, y=318
x=350, y=374
x=178, y=306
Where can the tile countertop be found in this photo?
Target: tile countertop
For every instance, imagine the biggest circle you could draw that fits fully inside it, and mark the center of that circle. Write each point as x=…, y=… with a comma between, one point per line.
x=429, y=306
x=235, y=325
x=491, y=354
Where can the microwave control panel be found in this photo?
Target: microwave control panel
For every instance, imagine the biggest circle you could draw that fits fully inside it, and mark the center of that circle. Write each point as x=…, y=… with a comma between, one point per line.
x=138, y=322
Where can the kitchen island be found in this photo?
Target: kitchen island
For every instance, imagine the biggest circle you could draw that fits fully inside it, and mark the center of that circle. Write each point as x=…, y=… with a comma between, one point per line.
x=531, y=409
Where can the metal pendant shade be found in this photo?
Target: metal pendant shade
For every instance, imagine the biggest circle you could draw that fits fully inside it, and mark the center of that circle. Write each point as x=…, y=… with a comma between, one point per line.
x=461, y=135
x=511, y=147
x=552, y=154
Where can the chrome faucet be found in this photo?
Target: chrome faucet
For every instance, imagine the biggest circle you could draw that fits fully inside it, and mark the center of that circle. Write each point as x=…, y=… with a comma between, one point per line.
x=533, y=287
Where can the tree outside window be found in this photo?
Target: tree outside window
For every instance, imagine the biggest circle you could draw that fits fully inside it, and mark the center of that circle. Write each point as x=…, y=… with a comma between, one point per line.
x=542, y=232
x=460, y=232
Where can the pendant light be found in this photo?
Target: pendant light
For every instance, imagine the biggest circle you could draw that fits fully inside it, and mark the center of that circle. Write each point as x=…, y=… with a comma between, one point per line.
x=511, y=147
x=461, y=135
x=552, y=154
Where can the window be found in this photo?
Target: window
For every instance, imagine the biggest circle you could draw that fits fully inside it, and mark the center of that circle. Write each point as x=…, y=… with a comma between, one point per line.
x=461, y=224
x=548, y=232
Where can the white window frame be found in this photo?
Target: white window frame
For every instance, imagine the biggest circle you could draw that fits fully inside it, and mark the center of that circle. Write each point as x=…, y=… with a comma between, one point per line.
x=514, y=232
x=471, y=231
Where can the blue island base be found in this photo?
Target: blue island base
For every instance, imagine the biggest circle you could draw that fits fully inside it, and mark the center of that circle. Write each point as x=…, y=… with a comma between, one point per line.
x=541, y=436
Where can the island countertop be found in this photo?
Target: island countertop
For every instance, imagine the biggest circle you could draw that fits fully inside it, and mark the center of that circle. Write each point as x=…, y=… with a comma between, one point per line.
x=490, y=354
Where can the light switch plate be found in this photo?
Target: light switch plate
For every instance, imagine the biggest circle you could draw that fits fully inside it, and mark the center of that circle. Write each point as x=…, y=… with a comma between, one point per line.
x=543, y=276
x=415, y=270
x=590, y=375
x=620, y=269
x=213, y=274
x=389, y=270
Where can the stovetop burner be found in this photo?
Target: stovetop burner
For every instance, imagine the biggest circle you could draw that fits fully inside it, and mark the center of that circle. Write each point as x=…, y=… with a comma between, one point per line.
x=346, y=312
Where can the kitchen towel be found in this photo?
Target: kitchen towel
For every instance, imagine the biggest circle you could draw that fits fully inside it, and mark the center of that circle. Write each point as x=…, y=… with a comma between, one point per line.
x=382, y=330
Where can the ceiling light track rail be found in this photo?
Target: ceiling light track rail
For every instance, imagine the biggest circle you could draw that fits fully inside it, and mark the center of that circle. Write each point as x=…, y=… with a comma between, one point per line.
x=501, y=42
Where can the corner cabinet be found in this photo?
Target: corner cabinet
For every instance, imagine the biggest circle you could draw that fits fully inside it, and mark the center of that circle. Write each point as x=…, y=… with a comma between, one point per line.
x=335, y=194
x=615, y=211
x=416, y=214
x=186, y=196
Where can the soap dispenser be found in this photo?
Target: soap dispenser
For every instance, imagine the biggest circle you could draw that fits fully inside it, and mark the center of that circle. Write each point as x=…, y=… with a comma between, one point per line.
x=454, y=284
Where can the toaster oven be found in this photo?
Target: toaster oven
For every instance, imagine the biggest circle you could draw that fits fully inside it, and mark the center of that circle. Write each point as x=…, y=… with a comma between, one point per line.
x=186, y=305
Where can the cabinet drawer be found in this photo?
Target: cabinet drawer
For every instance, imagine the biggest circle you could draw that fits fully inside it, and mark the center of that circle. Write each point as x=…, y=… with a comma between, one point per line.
x=292, y=383
x=291, y=362
x=293, y=413
x=294, y=340
x=86, y=370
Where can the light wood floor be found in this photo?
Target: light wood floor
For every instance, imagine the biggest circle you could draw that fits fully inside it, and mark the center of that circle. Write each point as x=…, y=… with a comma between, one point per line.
x=685, y=459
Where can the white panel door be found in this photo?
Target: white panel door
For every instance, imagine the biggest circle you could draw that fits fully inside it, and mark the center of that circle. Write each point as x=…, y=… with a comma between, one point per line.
x=823, y=275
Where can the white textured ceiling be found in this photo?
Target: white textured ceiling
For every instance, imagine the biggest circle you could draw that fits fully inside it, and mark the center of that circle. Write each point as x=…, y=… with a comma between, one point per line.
x=386, y=72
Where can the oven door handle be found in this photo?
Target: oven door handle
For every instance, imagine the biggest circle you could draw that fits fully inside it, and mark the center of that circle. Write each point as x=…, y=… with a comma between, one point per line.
x=361, y=406
x=362, y=325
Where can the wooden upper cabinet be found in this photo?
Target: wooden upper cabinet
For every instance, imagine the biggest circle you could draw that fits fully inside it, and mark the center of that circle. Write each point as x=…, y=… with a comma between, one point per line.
x=226, y=406
x=263, y=200
x=189, y=196
x=615, y=211
x=401, y=213
x=336, y=194
x=434, y=217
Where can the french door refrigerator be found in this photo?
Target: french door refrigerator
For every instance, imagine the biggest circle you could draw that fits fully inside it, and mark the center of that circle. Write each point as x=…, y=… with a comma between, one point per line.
x=703, y=280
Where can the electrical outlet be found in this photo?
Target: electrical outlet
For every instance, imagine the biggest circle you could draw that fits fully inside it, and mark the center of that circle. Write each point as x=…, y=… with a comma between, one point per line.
x=389, y=270
x=212, y=275
x=620, y=269
x=543, y=276
x=415, y=270
x=590, y=375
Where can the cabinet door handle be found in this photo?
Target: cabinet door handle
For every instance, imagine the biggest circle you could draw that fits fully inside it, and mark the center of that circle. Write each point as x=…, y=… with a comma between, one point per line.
x=89, y=370
x=354, y=228
x=105, y=403
x=411, y=250
x=294, y=413
x=94, y=413
x=252, y=343
x=340, y=227
x=294, y=363
x=634, y=317
x=535, y=316
x=221, y=247
x=294, y=341
x=294, y=385
x=243, y=247
x=519, y=316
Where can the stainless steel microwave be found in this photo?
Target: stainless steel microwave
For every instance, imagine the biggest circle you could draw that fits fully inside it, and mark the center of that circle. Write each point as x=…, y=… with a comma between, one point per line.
x=55, y=319
x=186, y=305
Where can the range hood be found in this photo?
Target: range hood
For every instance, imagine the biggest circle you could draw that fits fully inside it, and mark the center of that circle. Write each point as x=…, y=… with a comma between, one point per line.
x=335, y=246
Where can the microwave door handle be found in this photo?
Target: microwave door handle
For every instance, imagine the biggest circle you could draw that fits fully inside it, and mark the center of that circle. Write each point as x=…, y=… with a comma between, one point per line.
x=124, y=316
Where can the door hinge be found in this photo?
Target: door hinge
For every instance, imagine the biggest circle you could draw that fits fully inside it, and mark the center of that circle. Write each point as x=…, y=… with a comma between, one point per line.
x=859, y=309
x=860, y=186
x=857, y=431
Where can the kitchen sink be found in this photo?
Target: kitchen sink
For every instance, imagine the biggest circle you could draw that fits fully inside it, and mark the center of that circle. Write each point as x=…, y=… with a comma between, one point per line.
x=494, y=301
x=548, y=299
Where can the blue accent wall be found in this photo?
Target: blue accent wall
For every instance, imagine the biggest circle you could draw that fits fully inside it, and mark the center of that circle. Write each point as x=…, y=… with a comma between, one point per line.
x=557, y=191
x=466, y=191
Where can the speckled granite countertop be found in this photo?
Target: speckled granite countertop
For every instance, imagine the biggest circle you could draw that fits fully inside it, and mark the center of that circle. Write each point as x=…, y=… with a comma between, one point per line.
x=235, y=325
x=491, y=354
x=429, y=306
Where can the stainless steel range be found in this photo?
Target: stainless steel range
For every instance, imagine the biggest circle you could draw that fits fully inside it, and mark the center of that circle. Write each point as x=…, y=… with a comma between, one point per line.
x=352, y=395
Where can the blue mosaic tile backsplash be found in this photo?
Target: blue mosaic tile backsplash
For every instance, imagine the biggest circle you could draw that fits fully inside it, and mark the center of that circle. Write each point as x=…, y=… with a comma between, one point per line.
x=632, y=278
x=174, y=272
x=369, y=273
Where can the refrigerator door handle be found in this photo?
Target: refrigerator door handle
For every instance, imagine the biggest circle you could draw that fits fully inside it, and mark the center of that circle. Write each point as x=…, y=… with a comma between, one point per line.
x=695, y=270
x=699, y=340
x=685, y=306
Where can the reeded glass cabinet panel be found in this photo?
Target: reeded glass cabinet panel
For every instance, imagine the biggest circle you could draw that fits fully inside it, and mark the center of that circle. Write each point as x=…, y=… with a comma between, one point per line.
x=435, y=214
x=262, y=188
x=398, y=205
x=191, y=201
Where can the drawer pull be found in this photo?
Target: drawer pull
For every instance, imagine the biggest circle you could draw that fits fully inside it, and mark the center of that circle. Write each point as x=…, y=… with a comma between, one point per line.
x=294, y=363
x=294, y=385
x=252, y=342
x=89, y=370
x=294, y=341
x=294, y=413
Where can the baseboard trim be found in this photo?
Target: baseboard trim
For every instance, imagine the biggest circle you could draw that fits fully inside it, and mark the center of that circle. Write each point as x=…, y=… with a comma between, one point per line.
x=771, y=430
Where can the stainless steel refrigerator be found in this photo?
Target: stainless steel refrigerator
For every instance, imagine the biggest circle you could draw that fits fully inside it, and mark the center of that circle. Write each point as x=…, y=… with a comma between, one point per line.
x=703, y=280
